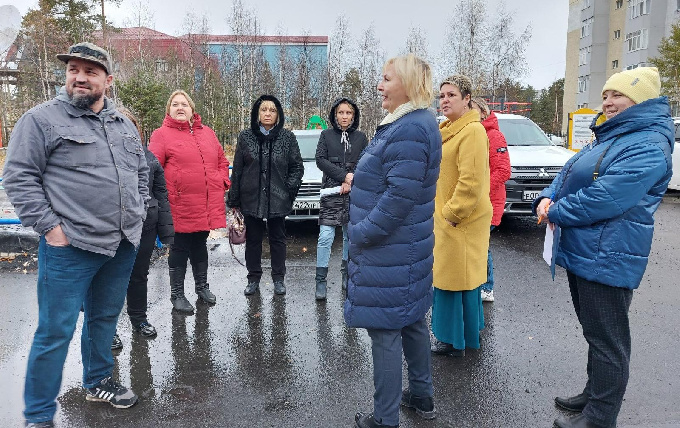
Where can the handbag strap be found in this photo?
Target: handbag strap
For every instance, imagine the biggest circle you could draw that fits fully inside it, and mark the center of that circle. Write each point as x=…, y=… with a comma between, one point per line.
x=234, y=254
x=596, y=173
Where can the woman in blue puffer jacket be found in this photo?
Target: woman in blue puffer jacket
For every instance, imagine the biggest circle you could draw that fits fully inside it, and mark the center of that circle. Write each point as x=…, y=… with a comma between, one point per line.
x=391, y=239
x=604, y=202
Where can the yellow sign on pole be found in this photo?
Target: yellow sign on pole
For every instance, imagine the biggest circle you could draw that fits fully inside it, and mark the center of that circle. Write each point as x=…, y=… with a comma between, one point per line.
x=579, y=134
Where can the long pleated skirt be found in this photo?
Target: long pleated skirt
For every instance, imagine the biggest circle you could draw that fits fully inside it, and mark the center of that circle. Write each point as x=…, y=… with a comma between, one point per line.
x=457, y=317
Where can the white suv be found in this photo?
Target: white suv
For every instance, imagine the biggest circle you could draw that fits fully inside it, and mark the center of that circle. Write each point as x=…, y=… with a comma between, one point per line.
x=534, y=159
x=308, y=200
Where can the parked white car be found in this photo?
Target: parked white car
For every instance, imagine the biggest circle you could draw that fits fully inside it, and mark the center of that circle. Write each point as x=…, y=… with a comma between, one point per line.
x=308, y=201
x=675, y=180
x=534, y=159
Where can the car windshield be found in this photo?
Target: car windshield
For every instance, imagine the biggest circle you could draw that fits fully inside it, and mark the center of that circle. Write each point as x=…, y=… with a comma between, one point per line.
x=308, y=145
x=522, y=132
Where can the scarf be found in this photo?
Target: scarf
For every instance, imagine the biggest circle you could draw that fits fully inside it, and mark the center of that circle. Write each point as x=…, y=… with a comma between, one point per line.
x=400, y=111
x=449, y=129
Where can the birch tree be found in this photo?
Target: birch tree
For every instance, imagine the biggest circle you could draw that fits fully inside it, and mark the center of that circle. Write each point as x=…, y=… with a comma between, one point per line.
x=371, y=60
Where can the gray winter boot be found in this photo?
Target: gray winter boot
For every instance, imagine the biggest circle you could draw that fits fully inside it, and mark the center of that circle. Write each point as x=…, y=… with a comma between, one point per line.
x=343, y=270
x=179, y=302
x=321, y=273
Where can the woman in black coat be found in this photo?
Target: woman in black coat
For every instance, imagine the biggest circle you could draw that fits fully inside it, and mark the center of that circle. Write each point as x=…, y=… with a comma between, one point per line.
x=337, y=154
x=158, y=223
x=265, y=180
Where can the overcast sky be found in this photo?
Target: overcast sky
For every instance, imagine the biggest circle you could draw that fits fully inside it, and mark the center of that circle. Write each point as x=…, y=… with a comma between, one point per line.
x=391, y=19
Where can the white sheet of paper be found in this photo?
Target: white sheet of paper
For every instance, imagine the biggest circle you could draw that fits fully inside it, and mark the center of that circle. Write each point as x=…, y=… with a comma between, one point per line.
x=548, y=245
x=331, y=191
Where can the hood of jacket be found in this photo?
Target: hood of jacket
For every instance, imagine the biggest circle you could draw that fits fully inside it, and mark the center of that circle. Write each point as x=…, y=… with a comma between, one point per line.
x=651, y=115
x=491, y=122
x=254, y=117
x=183, y=125
x=334, y=107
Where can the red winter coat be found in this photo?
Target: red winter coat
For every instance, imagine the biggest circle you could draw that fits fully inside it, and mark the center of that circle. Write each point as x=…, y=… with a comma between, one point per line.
x=196, y=171
x=499, y=166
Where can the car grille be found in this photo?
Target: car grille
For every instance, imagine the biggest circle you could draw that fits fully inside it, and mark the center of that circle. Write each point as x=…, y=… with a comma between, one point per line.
x=310, y=189
x=534, y=174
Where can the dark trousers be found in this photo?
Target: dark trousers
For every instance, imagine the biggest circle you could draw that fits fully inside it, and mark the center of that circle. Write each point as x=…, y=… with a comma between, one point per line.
x=276, y=230
x=188, y=246
x=387, y=347
x=602, y=311
x=137, y=288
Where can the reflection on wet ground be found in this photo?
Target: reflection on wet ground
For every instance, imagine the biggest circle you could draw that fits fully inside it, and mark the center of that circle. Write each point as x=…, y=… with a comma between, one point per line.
x=289, y=361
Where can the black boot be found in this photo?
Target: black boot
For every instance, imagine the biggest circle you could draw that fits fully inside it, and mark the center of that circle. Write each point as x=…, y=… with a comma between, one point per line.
x=574, y=404
x=252, y=287
x=321, y=273
x=201, y=280
x=343, y=271
x=179, y=302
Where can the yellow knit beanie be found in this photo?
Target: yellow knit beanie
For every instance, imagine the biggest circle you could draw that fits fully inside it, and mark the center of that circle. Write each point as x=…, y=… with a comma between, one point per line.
x=639, y=84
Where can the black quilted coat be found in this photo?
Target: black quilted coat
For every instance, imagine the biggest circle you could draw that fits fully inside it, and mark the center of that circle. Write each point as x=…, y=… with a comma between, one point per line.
x=267, y=170
x=158, y=215
x=335, y=162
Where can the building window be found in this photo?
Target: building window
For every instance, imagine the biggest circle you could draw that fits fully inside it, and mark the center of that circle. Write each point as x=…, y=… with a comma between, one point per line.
x=615, y=64
x=161, y=65
x=677, y=7
x=586, y=27
x=617, y=33
x=583, y=84
x=586, y=4
x=619, y=4
x=639, y=64
x=637, y=40
x=638, y=7
x=583, y=54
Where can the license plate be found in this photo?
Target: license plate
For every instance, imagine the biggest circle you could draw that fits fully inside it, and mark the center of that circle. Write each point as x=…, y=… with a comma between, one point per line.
x=530, y=195
x=306, y=205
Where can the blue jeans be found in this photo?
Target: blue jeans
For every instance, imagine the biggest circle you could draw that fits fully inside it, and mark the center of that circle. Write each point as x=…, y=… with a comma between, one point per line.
x=387, y=348
x=488, y=285
x=69, y=278
x=323, y=247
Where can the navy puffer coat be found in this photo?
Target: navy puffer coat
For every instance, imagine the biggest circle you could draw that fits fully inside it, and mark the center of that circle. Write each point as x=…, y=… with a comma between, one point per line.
x=391, y=224
x=608, y=223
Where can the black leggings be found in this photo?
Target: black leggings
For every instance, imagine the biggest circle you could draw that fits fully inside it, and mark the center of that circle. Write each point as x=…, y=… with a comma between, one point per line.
x=188, y=246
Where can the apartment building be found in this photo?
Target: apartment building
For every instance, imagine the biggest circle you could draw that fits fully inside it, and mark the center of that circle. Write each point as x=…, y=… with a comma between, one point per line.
x=608, y=36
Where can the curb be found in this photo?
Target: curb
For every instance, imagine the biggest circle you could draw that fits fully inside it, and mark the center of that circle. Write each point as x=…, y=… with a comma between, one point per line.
x=17, y=239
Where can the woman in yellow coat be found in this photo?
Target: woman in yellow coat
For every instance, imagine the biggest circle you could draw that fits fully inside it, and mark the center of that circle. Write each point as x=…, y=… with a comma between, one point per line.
x=461, y=222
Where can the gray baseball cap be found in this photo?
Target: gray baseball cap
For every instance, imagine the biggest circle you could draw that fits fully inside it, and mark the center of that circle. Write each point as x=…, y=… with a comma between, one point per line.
x=88, y=52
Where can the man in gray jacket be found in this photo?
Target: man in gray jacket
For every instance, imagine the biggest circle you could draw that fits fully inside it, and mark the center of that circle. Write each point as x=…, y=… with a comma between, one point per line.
x=76, y=173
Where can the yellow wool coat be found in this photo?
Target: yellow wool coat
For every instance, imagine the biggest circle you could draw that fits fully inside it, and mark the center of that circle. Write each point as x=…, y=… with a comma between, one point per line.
x=460, y=252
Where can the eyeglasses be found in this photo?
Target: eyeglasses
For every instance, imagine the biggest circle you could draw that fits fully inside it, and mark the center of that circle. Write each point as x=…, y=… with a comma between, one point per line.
x=84, y=50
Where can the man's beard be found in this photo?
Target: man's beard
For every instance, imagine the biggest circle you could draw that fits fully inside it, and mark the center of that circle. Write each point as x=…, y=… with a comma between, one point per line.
x=84, y=101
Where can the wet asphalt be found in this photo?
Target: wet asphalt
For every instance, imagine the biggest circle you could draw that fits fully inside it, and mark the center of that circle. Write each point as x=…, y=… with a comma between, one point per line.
x=289, y=361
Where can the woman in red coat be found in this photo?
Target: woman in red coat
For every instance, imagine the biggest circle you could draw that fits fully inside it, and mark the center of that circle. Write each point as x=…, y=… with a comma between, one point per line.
x=197, y=175
x=499, y=171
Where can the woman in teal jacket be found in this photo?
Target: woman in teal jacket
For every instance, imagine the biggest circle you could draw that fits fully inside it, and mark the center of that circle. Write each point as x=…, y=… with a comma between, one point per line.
x=604, y=201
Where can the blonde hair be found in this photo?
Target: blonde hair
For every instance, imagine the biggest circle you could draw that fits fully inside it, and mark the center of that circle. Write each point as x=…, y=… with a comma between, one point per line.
x=481, y=103
x=463, y=83
x=183, y=93
x=416, y=76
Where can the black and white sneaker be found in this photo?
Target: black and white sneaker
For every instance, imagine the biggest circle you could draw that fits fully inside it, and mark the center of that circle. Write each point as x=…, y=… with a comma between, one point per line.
x=112, y=392
x=116, y=344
